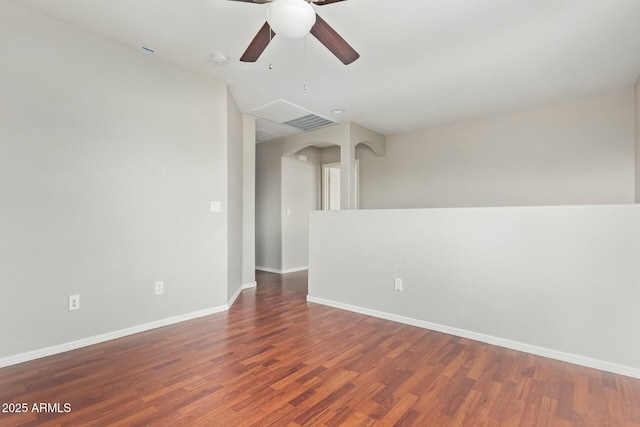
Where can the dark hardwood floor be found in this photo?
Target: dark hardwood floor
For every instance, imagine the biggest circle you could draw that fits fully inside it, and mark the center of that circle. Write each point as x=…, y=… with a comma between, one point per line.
x=275, y=359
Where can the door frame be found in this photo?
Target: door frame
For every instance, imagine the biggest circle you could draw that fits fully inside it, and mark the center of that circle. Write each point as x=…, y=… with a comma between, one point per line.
x=324, y=184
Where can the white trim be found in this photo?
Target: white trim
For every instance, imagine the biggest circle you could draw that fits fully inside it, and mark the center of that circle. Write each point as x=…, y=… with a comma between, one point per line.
x=249, y=285
x=489, y=339
x=268, y=270
x=293, y=270
x=234, y=297
x=61, y=348
x=326, y=184
x=288, y=270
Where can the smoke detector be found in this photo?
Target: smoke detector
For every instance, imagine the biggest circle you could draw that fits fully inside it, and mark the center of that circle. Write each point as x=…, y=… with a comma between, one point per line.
x=219, y=58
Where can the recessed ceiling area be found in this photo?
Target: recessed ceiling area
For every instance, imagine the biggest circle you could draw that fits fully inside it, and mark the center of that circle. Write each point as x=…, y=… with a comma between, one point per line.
x=422, y=62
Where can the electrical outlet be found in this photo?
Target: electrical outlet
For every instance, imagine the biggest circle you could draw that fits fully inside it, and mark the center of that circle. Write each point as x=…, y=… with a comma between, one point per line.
x=397, y=285
x=216, y=206
x=159, y=288
x=74, y=302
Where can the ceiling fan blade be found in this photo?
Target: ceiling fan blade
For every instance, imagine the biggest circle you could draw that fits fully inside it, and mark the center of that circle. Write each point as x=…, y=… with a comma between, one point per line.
x=260, y=1
x=321, y=2
x=332, y=41
x=258, y=44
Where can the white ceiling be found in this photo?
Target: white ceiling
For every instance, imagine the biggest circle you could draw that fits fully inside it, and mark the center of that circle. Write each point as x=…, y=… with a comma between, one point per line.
x=423, y=62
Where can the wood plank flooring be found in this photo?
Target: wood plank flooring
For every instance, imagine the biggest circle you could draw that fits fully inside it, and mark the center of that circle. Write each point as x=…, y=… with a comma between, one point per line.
x=275, y=359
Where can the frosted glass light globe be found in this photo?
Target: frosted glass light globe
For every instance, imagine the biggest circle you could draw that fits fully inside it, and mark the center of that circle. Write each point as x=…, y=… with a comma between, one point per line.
x=291, y=18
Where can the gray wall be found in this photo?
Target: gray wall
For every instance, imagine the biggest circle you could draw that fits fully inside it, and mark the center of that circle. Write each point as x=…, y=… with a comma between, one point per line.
x=637, y=93
x=249, y=201
x=268, y=199
x=574, y=152
x=300, y=195
x=560, y=279
x=108, y=160
x=234, y=197
x=330, y=154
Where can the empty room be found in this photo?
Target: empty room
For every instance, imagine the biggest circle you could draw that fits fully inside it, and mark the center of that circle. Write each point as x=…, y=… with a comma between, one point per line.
x=319, y=213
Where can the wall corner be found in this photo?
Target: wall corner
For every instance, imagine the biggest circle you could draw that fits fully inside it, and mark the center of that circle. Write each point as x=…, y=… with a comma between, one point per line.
x=637, y=142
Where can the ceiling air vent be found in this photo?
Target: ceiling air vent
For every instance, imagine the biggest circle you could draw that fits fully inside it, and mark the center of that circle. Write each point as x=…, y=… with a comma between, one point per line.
x=267, y=130
x=309, y=122
x=281, y=118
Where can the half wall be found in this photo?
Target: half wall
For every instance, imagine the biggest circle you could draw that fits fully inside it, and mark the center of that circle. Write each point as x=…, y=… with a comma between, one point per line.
x=561, y=281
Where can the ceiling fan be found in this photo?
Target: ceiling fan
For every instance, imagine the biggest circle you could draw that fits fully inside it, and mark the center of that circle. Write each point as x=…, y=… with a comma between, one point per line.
x=294, y=19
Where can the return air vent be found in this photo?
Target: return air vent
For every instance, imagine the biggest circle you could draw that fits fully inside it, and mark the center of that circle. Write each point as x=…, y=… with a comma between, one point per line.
x=309, y=122
x=281, y=118
x=267, y=130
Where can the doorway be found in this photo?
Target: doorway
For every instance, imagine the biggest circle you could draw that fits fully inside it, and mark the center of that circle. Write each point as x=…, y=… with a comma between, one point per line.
x=331, y=186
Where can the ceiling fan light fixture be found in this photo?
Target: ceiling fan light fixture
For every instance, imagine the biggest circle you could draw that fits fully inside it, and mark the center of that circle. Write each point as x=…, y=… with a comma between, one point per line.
x=291, y=18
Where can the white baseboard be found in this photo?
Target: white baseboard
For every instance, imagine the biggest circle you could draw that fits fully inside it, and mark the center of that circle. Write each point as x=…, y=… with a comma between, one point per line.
x=61, y=348
x=288, y=270
x=293, y=270
x=234, y=297
x=501, y=342
x=249, y=285
x=268, y=270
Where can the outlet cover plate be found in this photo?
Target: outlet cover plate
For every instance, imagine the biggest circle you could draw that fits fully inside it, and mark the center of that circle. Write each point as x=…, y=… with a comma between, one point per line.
x=74, y=302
